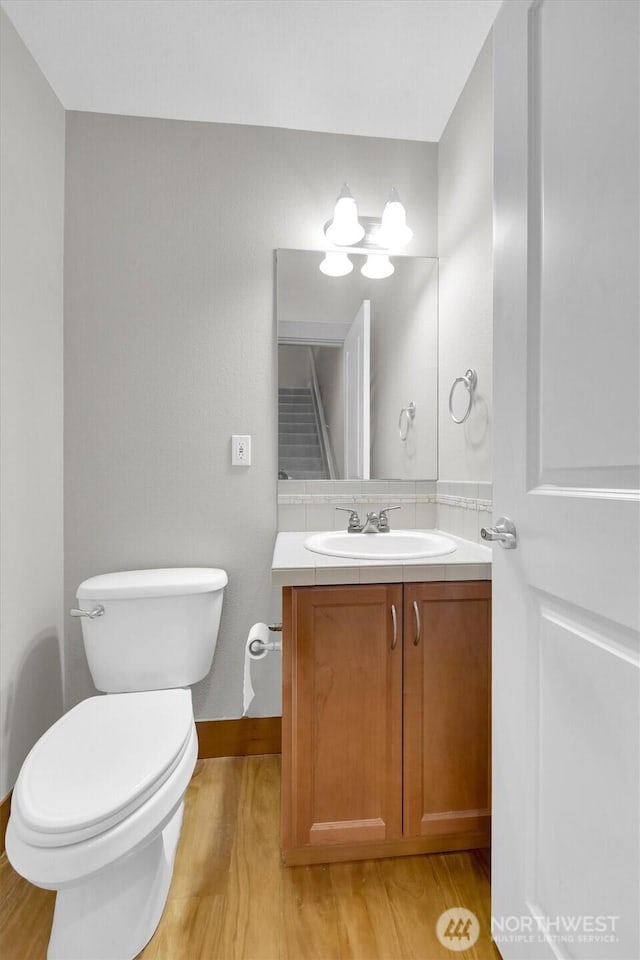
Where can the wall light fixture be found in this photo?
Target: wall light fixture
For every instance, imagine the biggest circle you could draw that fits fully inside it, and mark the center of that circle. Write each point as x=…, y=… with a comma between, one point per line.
x=377, y=266
x=362, y=234
x=344, y=230
x=336, y=264
x=394, y=231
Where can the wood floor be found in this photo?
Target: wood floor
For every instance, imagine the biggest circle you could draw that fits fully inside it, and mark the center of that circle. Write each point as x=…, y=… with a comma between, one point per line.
x=231, y=899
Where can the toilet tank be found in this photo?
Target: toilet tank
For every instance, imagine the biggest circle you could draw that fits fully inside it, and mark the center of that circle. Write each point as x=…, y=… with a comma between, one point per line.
x=159, y=628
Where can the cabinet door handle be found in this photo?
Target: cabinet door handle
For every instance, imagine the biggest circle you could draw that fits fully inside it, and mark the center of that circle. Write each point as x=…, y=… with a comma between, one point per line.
x=416, y=639
x=394, y=617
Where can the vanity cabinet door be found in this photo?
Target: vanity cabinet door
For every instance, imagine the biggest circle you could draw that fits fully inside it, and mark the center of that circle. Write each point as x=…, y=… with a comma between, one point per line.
x=342, y=715
x=447, y=703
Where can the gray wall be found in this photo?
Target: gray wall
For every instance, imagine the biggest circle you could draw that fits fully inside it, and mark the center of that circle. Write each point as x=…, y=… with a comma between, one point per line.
x=293, y=366
x=170, y=235
x=32, y=129
x=404, y=368
x=465, y=244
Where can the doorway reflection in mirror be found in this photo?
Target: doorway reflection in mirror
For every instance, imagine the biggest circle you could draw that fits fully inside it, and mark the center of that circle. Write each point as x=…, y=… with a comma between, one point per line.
x=352, y=353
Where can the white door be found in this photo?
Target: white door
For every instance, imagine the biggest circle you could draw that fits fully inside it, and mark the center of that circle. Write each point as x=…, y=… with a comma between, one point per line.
x=357, y=391
x=567, y=433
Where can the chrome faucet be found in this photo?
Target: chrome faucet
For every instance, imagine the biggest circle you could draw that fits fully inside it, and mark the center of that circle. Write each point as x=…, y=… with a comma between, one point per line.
x=374, y=523
x=378, y=523
x=354, y=525
x=371, y=524
x=383, y=520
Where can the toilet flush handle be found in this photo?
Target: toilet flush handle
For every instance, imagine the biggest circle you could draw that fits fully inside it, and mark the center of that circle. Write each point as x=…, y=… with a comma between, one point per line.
x=98, y=611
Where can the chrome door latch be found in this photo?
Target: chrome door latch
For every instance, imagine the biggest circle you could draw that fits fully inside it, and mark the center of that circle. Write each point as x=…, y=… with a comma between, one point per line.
x=504, y=532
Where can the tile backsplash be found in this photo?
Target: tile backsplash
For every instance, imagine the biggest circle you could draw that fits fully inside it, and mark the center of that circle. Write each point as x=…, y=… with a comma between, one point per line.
x=456, y=507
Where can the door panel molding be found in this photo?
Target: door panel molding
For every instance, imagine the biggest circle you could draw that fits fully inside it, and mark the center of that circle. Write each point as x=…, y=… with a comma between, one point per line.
x=554, y=950
x=584, y=729
x=563, y=449
x=594, y=493
x=610, y=636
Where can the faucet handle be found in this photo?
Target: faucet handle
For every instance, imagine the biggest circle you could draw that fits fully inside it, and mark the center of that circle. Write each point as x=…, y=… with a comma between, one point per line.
x=355, y=526
x=384, y=519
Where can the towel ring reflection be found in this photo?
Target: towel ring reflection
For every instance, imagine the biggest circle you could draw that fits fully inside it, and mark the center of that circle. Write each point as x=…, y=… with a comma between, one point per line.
x=470, y=380
x=410, y=413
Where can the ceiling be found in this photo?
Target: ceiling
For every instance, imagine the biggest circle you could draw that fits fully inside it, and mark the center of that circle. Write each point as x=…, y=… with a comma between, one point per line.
x=377, y=68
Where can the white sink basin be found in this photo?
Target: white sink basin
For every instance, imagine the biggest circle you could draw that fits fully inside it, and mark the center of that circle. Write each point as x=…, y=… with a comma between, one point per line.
x=399, y=545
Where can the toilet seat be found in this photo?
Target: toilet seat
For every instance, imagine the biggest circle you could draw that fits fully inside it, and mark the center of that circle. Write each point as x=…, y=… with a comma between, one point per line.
x=99, y=763
x=57, y=867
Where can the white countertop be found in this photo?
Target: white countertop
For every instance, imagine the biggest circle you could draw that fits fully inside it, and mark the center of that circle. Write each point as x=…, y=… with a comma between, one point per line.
x=294, y=565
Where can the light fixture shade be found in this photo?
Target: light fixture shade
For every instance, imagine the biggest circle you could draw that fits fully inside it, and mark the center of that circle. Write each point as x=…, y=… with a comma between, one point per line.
x=377, y=266
x=394, y=231
x=336, y=264
x=345, y=229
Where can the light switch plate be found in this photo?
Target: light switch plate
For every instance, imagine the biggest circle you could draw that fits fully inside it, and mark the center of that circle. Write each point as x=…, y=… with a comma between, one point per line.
x=240, y=450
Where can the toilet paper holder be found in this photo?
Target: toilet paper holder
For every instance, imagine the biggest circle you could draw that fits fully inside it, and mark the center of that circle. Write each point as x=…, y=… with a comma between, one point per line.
x=259, y=646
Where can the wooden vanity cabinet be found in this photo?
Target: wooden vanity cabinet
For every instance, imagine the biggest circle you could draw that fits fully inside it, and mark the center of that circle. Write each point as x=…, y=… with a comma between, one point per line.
x=342, y=736
x=385, y=720
x=447, y=709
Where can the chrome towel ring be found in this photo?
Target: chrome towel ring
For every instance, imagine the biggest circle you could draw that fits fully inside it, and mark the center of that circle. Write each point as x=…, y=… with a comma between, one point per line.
x=470, y=380
x=410, y=413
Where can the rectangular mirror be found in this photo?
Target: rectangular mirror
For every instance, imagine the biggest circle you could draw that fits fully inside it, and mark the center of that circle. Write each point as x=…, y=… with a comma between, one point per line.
x=357, y=370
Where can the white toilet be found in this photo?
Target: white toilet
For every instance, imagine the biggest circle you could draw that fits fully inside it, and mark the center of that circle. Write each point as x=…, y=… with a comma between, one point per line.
x=97, y=808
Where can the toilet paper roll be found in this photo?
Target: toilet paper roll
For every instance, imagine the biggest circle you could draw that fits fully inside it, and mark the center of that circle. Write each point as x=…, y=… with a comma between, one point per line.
x=259, y=631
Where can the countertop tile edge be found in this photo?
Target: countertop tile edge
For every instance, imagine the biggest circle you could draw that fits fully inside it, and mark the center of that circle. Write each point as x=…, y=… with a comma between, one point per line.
x=472, y=561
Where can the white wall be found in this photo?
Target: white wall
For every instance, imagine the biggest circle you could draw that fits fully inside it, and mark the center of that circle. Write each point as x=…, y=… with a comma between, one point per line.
x=32, y=132
x=465, y=240
x=170, y=346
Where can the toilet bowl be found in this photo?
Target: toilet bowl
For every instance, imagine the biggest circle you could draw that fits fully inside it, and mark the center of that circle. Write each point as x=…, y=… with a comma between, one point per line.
x=97, y=807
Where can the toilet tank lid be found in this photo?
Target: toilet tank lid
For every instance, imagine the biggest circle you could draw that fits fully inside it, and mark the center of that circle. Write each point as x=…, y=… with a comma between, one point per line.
x=132, y=584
